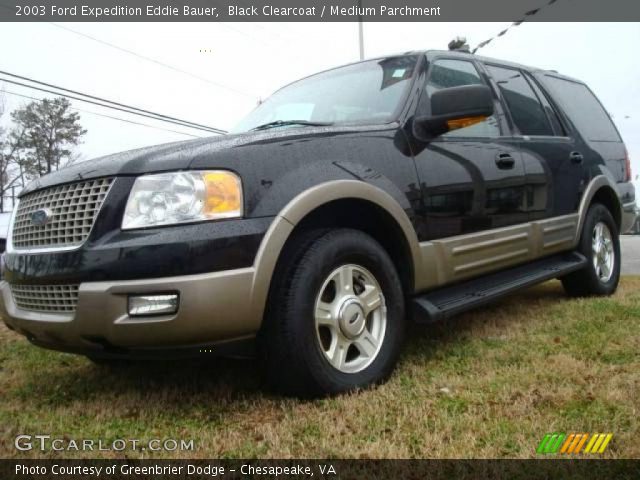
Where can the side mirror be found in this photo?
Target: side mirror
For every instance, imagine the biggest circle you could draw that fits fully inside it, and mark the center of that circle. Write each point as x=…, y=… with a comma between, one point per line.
x=453, y=108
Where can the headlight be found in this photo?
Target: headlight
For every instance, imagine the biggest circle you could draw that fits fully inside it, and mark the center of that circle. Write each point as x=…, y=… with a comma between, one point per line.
x=181, y=197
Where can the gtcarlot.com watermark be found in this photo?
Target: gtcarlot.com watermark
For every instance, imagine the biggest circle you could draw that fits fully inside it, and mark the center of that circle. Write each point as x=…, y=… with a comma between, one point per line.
x=48, y=443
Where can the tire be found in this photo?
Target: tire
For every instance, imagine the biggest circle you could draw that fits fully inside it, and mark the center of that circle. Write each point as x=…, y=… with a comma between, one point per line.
x=601, y=274
x=318, y=342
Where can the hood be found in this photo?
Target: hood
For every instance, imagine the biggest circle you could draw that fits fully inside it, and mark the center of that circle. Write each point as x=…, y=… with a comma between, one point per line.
x=157, y=158
x=211, y=151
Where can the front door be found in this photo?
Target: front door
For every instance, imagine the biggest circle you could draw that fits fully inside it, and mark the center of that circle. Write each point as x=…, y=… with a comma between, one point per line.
x=472, y=179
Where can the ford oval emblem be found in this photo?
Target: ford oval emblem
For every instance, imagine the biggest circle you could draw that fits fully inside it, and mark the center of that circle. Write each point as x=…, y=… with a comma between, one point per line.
x=41, y=217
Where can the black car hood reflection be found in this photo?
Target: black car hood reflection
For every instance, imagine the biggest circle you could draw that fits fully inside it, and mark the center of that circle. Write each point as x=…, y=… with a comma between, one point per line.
x=214, y=151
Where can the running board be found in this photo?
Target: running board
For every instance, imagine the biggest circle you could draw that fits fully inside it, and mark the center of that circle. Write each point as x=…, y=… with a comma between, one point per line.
x=448, y=301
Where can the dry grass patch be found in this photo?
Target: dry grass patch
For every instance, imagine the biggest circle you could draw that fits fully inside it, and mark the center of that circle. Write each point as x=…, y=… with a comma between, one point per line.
x=488, y=384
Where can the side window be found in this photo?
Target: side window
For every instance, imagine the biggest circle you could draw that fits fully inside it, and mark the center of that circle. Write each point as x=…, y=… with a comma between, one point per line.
x=583, y=108
x=524, y=105
x=552, y=115
x=456, y=73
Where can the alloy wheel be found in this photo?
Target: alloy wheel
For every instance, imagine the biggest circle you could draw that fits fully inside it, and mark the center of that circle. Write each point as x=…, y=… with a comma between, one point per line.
x=350, y=318
x=603, y=252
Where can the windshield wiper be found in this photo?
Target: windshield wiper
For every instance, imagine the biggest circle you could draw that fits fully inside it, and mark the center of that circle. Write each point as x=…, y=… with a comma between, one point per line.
x=281, y=123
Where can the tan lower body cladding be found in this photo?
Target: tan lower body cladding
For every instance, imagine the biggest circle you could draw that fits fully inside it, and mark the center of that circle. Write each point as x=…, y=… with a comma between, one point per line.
x=457, y=258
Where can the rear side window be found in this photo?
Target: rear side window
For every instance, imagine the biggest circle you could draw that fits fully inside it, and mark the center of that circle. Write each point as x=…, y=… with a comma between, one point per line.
x=552, y=115
x=583, y=109
x=526, y=111
x=445, y=73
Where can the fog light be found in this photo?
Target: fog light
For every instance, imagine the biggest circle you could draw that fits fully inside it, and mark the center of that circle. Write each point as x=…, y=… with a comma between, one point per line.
x=165, y=304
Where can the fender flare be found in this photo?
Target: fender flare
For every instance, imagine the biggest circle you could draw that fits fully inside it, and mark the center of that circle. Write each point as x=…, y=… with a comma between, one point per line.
x=595, y=185
x=303, y=204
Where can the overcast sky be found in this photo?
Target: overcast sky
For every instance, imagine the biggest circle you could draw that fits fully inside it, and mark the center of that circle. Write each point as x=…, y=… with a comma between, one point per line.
x=229, y=66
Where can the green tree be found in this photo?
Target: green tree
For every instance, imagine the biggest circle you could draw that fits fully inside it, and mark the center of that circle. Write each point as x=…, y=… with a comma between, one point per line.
x=44, y=133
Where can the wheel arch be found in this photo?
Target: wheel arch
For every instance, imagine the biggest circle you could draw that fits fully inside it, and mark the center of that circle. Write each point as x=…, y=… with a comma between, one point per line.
x=309, y=205
x=602, y=190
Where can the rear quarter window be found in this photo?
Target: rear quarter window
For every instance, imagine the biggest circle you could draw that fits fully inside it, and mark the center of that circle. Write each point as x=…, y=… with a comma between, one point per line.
x=583, y=109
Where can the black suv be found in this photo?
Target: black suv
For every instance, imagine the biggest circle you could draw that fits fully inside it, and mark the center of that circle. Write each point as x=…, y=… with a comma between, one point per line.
x=411, y=186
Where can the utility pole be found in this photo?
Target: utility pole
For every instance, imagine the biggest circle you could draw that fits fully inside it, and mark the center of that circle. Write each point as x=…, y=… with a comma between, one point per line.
x=360, y=30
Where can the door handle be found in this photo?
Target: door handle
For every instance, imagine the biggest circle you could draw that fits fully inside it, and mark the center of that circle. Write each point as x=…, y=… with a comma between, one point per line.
x=576, y=157
x=505, y=161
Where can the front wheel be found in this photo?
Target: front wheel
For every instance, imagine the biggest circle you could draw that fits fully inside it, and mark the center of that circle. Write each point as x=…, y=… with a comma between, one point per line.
x=336, y=319
x=600, y=243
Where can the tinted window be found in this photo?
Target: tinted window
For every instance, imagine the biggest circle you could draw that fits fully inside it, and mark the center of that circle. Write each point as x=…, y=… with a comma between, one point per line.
x=525, y=108
x=552, y=115
x=457, y=73
x=584, y=109
x=452, y=73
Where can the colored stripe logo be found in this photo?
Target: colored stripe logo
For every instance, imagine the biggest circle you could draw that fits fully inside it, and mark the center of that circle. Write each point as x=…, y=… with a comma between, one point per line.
x=574, y=443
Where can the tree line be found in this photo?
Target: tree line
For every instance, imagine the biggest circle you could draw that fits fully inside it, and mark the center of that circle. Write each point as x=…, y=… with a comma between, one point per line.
x=39, y=140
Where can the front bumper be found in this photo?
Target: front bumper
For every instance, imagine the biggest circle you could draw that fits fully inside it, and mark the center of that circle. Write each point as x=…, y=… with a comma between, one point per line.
x=214, y=309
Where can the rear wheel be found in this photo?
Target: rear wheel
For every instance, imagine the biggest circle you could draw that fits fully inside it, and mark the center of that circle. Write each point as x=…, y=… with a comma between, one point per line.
x=600, y=243
x=336, y=316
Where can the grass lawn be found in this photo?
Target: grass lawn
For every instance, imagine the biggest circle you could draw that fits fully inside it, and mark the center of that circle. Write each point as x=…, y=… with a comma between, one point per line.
x=490, y=383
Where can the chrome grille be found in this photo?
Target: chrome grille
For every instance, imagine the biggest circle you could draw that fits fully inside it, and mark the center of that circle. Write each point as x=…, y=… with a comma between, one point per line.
x=46, y=298
x=73, y=208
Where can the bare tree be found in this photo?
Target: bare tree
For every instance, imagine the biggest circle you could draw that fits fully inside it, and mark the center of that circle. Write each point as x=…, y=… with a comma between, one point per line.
x=45, y=131
x=39, y=142
x=8, y=156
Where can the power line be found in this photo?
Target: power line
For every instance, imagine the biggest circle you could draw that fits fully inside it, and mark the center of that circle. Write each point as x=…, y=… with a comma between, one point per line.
x=103, y=115
x=100, y=104
x=213, y=129
x=262, y=42
x=157, y=62
x=514, y=24
x=130, y=109
x=248, y=6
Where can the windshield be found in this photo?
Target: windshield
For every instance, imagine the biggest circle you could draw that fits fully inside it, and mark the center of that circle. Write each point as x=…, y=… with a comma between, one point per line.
x=366, y=92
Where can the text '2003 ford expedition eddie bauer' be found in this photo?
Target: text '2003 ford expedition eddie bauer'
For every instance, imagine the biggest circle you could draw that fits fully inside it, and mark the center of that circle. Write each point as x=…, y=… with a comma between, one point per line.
x=424, y=183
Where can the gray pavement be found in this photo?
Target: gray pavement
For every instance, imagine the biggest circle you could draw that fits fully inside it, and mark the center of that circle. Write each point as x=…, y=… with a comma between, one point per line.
x=630, y=245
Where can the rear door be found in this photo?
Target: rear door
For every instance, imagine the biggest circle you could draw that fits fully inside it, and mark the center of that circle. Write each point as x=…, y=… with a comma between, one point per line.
x=554, y=160
x=472, y=179
x=593, y=125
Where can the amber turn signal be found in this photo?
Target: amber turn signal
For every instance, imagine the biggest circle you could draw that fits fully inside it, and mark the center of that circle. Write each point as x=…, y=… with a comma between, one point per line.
x=223, y=194
x=464, y=122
